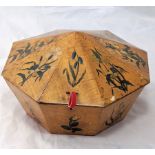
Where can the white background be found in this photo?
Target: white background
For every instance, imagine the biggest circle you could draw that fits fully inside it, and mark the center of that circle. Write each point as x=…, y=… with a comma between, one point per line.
x=134, y=24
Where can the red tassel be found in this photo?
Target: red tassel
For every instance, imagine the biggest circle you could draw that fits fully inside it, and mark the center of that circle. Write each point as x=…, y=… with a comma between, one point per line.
x=72, y=100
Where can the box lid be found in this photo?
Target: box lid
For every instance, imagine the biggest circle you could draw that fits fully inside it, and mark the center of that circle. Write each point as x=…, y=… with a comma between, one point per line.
x=98, y=65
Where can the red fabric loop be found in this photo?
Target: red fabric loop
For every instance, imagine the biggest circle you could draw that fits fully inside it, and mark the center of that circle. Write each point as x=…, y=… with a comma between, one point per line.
x=72, y=100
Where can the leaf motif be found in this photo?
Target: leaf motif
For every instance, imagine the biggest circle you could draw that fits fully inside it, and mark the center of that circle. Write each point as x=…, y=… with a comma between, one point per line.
x=67, y=75
x=73, y=54
x=30, y=62
x=99, y=65
x=75, y=64
x=35, y=70
x=96, y=55
x=36, y=78
x=50, y=62
x=66, y=127
x=72, y=71
x=13, y=58
x=64, y=71
x=50, y=57
x=41, y=58
x=74, y=123
x=133, y=56
x=112, y=91
x=22, y=75
x=40, y=74
x=98, y=52
x=120, y=68
x=20, y=51
x=33, y=67
x=23, y=78
x=128, y=83
x=99, y=71
x=80, y=60
x=76, y=129
x=80, y=78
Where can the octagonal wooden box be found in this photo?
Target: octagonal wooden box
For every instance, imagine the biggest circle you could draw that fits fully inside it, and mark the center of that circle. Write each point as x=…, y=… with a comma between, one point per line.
x=106, y=72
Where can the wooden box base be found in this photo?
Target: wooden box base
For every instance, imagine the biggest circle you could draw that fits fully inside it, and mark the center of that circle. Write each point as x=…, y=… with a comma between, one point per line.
x=91, y=120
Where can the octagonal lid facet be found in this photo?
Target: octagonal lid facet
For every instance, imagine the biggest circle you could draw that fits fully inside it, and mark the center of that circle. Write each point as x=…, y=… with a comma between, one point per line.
x=99, y=66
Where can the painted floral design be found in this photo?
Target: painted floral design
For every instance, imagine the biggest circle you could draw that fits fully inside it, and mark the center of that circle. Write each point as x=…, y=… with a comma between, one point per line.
x=28, y=49
x=72, y=125
x=112, y=73
x=127, y=54
x=35, y=69
x=72, y=74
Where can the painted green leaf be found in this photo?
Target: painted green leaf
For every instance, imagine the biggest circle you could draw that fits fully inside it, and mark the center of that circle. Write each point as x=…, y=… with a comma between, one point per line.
x=76, y=129
x=99, y=65
x=64, y=71
x=96, y=55
x=117, y=80
x=40, y=74
x=67, y=75
x=23, y=78
x=73, y=54
x=22, y=75
x=30, y=62
x=72, y=71
x=80, y=60
x=28, y=49
x=128, y=83
x=50, y=62
x=41, y=58
x=50, y=57
x=66, y=127
x=20, y=51
x=13, y=58
x=74, y=123
x=46, y=66
x=75, y=64
x=81, y=77
x=34, y=67
x=98, y=71
x=98, y=52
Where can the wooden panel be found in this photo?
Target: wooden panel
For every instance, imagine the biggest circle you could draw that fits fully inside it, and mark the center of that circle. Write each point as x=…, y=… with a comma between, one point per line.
x=107, y=78
x=31, y=107
x=85, y=120
x=90, y=120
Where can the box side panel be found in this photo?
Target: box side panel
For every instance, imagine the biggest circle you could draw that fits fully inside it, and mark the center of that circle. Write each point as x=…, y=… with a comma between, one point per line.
x=81, y=120
x=89, y=120
x=31, y=107
x=117, y=111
